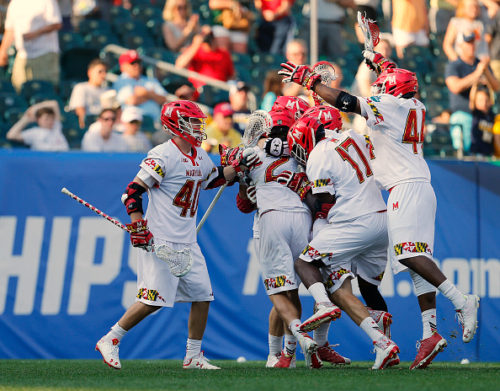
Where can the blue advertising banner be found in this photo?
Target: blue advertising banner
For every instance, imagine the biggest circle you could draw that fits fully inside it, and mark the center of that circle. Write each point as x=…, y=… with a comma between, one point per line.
x=67, y=275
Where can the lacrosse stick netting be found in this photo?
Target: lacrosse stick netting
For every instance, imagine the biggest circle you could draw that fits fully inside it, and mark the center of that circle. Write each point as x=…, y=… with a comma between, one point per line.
x=259, y=123
x=370, y=31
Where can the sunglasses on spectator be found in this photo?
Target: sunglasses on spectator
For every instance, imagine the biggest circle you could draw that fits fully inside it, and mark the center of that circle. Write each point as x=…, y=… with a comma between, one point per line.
x=182, y=7
x=108, y=118
x=136, y=62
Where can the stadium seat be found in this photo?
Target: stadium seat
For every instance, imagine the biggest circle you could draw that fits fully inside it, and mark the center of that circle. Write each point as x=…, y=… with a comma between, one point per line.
x=13, y=114
x=98, y=39
x=145, y=12
x=74, y=62
x=65, y=89
x=70, y=40
x=71, y=130
x=437, y=142
x=89, y=25
x=135, y=41
x=43, y=96
x=32, y=87
x=9, y=100
x=148, y=125
x=129, y=27
x=211, y=96
x=241, y=59
x=159, y=53
x=7, y=87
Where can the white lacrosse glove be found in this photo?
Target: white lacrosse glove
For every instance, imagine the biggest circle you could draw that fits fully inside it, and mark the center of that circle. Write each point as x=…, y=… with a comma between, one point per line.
x=276, y=147
x=250, y=158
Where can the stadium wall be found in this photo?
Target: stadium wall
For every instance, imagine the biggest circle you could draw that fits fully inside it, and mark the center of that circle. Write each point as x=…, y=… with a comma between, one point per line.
x=66, y=275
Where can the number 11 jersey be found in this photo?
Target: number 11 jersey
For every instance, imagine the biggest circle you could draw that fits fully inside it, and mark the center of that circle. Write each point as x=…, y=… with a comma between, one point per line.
x=397, y=135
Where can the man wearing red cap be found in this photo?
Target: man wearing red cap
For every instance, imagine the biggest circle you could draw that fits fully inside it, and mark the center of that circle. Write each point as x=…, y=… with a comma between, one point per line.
x=221, y=130
x=134, y=89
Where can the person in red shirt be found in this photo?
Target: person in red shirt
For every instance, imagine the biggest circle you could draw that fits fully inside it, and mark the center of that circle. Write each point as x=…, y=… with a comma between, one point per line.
x=203, y=56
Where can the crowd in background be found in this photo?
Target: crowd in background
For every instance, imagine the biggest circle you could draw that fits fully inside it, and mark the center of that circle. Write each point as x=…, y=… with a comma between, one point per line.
x=453, y=45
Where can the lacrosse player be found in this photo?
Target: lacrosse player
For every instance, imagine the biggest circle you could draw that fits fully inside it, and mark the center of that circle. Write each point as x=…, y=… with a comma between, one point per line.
x=396, y=119
x=173, y=174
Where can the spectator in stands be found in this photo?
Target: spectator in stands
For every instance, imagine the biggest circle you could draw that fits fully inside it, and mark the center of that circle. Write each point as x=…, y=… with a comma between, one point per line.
x=47, y=136
x=492, y=38
x=466, y=21
x=32, y=26
x=86, y=96
x=238, y=98
x=410, y=26
x=277, y=25
x=484, y=141
x=133, y=89
x=205, y=57
x=232, y=22
x=440, y=13
x=101, y=136
x=180, y=24
x=296, y=52
x=137, y=141
x=221, y=130
x=273, y=87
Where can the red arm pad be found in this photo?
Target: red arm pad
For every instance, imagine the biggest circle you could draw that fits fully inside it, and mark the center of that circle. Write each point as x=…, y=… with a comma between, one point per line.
x=244, y=204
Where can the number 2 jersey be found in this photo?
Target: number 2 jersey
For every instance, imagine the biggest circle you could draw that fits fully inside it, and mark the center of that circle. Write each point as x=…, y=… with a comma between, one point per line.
x=397, y=135
x=340, y=165
x=173, y=200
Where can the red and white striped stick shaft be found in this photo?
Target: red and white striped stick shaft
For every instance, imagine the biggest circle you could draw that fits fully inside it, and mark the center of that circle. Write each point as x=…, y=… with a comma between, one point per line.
x=91, y=207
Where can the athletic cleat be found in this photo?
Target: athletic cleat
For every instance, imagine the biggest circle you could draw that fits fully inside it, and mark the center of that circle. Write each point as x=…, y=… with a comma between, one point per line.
x=467, y=317
x=310, y=348
x=324, y=312
x=383, y=320
x=198, y=362
x=286, y=361
x=385, y=350
x=109, y=350
x=428, y=349
x=272, y=360
x=393, y=361
x=327, y=354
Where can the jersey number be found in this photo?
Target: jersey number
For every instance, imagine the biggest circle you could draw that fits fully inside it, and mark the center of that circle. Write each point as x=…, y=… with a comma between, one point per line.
x=343, y=150
x=185, y=199
x=270, y=176
x=411, y=134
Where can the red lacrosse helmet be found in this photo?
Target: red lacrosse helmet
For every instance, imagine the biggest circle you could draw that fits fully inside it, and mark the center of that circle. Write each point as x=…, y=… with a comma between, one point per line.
x=296, y=105
x=281, y=117
x=185, y=119
x=395, y=81
x=329, y=116
x=303, y=137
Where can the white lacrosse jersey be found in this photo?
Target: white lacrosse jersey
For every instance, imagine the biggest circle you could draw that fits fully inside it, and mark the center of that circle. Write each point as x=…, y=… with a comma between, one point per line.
x=397, y=135
x=270, y=194
x=341, y=166
x=173, y=200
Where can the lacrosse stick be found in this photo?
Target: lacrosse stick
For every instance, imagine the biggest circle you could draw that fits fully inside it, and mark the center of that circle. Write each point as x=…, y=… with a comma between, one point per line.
x=210, y=207
x=370, y=31
x=327, y=73
x=259, y=123
x=179, y=261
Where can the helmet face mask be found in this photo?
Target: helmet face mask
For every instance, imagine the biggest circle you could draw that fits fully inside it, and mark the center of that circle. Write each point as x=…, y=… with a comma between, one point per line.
x=396, y=82
x=303, y=137
x=185, y=119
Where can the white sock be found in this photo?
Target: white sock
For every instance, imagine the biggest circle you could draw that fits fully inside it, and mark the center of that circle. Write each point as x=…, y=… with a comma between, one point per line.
x=116, y=332
x=320, y=335
x=429, y=322
x=294, y=327
x=275, y=344
x=193, y=348
x=318, y=291
x=451, y=292
x=290, y=344
x=371, y=328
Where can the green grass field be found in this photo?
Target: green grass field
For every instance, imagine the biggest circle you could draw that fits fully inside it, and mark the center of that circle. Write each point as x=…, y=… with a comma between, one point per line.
x=169, y=375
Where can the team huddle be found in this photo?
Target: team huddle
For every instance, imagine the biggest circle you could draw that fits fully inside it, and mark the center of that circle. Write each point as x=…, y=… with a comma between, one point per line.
x=320, y=218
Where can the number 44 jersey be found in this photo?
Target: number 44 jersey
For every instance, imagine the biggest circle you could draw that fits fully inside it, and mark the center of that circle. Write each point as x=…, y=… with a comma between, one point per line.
x=397, y=135
x=173, y=200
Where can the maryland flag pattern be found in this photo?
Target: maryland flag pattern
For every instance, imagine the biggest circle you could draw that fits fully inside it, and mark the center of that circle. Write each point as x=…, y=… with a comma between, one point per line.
x=149, y=294
x=321, y=182
x=155, y=166
x=277, y=282
x=378, y=117
x=312, y=253
x=335, y=276
x=379, y=277
x=411, y=247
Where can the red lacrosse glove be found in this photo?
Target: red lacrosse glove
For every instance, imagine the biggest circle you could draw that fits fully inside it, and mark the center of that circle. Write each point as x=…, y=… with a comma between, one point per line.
x=140, y=235
x=295, y=181
x=376, y=62
x=228, y=155
x=300, y=74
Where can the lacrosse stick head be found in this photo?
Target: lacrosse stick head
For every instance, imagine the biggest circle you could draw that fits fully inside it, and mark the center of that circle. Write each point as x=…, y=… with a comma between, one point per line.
x=297, y=106
x=327, y=73
x=179, y=261
x=370, y=31
x=259, y=124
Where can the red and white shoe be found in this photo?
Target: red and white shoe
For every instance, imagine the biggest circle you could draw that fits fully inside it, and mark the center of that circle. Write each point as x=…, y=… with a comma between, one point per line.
x=198, y=362
x=385, y=350
x=310, y=350
x=393, y=361
x=383, y=320
x=324, y=312
x=327, y=354
x=428, y=349
x=467, y=317
x=286, y=361
x=272, y=360
x=109, y=349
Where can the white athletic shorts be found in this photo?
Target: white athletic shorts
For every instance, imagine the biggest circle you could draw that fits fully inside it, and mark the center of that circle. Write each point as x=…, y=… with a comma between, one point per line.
x=405, y=38
x=351, y=248
x=283, y=236
x=411, y=214
x=157, y=286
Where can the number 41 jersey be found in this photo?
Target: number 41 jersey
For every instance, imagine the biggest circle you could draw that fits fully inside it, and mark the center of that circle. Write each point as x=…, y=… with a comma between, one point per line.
x=173, y=202
x=397, y=135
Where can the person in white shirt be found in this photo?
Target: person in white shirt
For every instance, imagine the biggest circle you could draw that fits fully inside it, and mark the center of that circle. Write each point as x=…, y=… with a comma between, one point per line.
x=101, y=136
x=32, y=26
x=137, y=141
x=47, y=136
x=396, y=120
x=86, y=96
x=172, y=174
